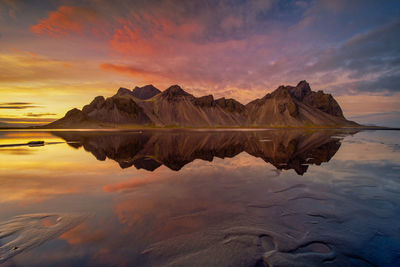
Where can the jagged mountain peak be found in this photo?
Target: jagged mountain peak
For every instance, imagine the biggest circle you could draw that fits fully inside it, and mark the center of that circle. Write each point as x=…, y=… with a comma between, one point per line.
x=145, y=92
x=123, y=91
x=96, y=103
x=295, y=106
x=301, y=90
x=230, y=104
x=73, y=112
x=281, y=91
x=205, y=101
x=304, y=84
x=174, y=91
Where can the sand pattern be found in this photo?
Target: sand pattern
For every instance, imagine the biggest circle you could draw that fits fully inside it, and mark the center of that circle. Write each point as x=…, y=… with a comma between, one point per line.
x=26, y=232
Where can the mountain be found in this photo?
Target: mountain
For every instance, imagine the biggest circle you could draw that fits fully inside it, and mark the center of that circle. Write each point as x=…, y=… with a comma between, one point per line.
x=143, y=93
x=287, y=106
x=74, y=118
x=175, y=107
x=296, y=106
x=294, y=149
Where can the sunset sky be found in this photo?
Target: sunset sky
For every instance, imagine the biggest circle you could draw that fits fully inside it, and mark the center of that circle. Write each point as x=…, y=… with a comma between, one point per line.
x=57, y=54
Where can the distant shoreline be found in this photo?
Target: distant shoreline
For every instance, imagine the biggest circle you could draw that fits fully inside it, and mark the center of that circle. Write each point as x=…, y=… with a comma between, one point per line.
x=39, y=128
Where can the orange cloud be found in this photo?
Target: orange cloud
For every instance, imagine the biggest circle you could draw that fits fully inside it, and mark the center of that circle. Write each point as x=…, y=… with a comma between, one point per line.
x=162, y=37
x=65, y=20
x=129, y=39
x=141, y=74
x=126, y=69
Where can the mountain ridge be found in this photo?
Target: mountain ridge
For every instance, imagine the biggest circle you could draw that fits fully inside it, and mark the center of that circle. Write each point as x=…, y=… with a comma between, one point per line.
x=147, y=106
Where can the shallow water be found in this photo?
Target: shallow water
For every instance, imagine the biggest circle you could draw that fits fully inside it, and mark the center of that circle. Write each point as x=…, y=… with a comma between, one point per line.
x=200, y=198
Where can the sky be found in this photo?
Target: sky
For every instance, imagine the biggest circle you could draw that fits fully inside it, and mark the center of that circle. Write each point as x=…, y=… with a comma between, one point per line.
x=59, y=54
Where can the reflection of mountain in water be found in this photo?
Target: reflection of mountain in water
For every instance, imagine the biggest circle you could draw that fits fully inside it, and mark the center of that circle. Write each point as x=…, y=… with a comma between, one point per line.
x=290, y=149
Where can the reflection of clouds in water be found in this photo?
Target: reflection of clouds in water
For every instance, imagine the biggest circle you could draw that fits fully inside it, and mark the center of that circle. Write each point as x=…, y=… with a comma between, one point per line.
x=395, y=147
x=54, y=172
x=26, y=232
x=25, y=137
x=18, y=151
x=389, y=138
x=370, y=149
x=237, y=210
x=132, y=184
x=84, y=233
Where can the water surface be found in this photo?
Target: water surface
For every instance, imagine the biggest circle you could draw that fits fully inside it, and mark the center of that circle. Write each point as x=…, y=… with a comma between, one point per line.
x=200, y=198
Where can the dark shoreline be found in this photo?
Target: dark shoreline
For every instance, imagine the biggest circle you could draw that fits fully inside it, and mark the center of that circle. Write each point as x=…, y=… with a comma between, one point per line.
x=201, y=128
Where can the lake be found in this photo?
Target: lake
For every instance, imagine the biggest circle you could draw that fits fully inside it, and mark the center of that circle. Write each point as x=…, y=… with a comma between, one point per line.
x=200, y=198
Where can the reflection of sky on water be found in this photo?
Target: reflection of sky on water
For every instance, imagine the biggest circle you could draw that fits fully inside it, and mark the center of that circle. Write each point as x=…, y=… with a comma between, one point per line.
x=231, y=210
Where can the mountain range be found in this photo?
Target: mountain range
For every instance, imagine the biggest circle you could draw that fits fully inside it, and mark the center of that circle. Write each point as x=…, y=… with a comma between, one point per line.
x=147, y=106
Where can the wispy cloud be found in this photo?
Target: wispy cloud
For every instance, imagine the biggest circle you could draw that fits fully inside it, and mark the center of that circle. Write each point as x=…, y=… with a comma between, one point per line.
x=25, y=120
x=132, y=71
x=66, y=20
x=397, y=113
x=232, y=48
x=30, y=114
x=241, y=44
x=17, y=105
x=390, y=119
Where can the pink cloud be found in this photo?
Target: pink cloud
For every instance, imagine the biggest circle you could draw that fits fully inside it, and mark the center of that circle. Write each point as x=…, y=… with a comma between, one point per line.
x=66, y=20
x=159, y=36
x=132, y=71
